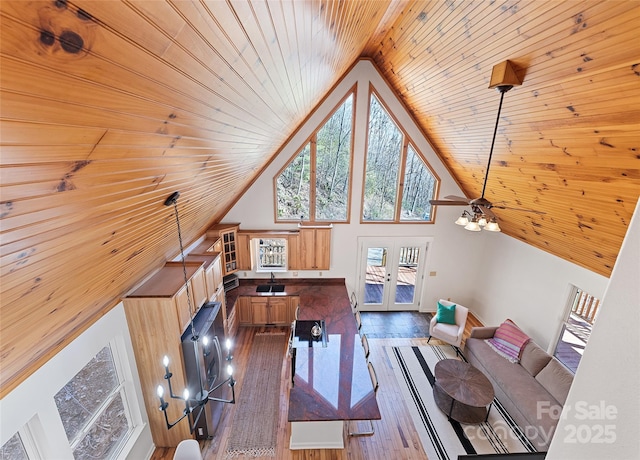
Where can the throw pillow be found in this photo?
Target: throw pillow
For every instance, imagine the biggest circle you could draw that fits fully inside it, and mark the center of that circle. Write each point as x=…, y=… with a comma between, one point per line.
x=508, y=341
x=446, y=314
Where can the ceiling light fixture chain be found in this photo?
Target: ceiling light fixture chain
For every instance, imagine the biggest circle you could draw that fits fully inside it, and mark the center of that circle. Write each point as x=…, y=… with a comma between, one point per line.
x=173, y=200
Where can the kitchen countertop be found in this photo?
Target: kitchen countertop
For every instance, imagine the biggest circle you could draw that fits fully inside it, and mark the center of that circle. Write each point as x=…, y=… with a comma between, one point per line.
x=332, y=382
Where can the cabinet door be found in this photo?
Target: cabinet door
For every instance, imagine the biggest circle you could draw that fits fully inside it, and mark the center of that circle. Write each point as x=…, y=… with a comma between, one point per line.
x=182, y=307
x=322, y=246
x=278, y=310
x=243, y=310
x=260, y=310
x=198, y=289
x=294, y=302
x=306, y=249
x=293, y=252
x=217, y=272
x=230, y=262
x=210, y=283
x=243, y=252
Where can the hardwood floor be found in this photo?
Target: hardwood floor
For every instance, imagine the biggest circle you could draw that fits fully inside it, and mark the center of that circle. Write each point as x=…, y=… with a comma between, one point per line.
x=395, y=436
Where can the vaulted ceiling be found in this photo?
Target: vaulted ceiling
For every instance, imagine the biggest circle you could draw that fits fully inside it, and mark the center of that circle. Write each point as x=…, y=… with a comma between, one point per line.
x=108, y=107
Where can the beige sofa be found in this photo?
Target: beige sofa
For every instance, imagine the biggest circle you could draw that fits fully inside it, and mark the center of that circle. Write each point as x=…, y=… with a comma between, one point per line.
x=532, y=391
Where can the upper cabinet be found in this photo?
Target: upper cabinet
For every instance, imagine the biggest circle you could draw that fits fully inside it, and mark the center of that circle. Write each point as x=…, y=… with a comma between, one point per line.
x=227, y=233
x=313, y=249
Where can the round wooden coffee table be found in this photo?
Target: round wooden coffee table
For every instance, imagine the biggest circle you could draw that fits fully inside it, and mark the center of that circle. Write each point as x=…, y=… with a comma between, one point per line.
x=462, y=392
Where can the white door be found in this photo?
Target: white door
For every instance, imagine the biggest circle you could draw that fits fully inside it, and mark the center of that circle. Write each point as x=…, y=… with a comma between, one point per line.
x=391, y=272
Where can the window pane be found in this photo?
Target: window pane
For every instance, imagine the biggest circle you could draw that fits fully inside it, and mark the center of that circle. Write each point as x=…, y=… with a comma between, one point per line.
x=292, y=188
x=80, y=399
x=13, y=449
x=106, y=434
x=418, y=188
x=333, y=161
x=383, y=161
x=272, y=254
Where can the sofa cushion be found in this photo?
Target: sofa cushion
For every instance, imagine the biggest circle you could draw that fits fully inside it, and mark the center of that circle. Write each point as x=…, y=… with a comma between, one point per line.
x=446, y=314
x=534, y=358
x=556, y=379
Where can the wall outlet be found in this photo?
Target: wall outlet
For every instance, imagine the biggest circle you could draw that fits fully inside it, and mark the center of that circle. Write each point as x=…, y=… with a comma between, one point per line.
x=295, y=273
x=244, y=274
x=319, y=273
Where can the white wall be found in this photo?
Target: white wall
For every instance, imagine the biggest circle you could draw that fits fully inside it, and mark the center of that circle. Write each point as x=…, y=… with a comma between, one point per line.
x=529, y=286
x=452, y=254
x=601, y=418
x=32, y=402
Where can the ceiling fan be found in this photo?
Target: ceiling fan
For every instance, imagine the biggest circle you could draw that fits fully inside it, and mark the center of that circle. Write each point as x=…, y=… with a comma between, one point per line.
x=503, y=78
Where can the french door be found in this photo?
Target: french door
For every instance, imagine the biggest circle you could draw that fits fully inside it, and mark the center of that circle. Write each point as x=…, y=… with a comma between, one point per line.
x=391, y=272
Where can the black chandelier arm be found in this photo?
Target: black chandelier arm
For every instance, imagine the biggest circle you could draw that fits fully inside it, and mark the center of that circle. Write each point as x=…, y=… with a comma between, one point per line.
x=493, y=141
x=185, y=413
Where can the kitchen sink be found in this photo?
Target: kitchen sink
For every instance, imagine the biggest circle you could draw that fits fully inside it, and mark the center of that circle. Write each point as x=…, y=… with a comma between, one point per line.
x=270, y=288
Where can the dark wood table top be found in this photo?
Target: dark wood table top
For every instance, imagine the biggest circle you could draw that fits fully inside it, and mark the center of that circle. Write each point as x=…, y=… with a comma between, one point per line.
x=331, y=382
x=463, y=382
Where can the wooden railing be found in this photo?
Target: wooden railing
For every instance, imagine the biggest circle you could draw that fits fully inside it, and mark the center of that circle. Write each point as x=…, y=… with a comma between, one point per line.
x=586, y=306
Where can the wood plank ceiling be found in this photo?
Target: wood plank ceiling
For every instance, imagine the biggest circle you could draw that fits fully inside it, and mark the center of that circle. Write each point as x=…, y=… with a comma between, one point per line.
x=108, y=107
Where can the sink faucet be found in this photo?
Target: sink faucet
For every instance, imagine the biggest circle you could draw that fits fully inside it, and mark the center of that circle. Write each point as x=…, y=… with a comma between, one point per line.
x=273, y=278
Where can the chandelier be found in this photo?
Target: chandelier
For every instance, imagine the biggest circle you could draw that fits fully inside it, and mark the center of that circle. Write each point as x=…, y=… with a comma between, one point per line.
x=194, y=403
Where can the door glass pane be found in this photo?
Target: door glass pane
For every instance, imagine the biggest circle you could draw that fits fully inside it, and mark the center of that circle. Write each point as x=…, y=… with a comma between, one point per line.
x=407, y=269
x=376, y=275
x=13, y=449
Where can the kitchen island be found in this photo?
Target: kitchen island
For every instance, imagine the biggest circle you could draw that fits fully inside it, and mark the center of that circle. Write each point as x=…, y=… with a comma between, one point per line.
x=331, y=384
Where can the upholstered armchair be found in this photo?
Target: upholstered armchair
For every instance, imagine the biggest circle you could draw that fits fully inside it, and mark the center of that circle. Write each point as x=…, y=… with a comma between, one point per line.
x=447, y=325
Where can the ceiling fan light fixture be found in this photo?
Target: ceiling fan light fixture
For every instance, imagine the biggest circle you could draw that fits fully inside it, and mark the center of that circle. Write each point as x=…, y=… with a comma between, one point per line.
x=473, y=226
x=482, y=221
x=492, y=226
x=463, y=219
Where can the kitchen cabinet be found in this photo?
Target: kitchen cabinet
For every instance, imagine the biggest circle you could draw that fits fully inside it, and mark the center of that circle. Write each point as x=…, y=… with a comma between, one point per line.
x=228, y=238
x=157, y=313
x=243, y=309
x=243, y=251
x=314, y=248
x=270, y=310
x=212, y=272
x=262, y=310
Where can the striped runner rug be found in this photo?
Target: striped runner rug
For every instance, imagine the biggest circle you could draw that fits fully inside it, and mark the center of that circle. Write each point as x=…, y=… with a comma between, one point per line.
x=441, y=438
x=255, y=419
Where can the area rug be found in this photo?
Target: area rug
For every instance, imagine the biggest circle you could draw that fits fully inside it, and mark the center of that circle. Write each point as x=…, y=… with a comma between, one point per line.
x=255, y=421
x=441, y=438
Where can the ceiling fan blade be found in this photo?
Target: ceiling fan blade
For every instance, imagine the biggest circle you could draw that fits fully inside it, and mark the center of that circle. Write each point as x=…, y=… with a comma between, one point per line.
x=448, y=203
x=519, y=209
x=456, y=198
